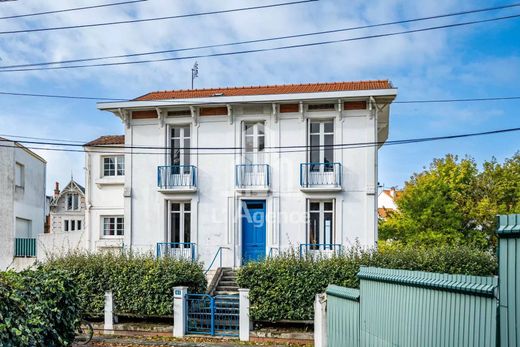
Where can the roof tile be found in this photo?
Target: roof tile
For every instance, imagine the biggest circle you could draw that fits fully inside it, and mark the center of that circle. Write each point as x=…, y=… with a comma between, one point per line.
x=107, y=140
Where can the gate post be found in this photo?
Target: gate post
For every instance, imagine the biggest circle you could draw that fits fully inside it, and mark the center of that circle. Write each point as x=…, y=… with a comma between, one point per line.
x=109, y=313
x=320, y=320
x=244, y=321
x=179, y=311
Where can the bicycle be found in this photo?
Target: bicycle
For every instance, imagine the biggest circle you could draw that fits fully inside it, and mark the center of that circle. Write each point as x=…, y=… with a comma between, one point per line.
x=84, y=333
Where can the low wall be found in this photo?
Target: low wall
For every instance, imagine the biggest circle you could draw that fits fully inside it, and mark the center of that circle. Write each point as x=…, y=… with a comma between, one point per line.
x=56, y=244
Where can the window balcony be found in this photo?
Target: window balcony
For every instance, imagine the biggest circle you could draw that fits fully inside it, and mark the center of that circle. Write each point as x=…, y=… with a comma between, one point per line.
x=25, y=248
x=252, y=177
x=320, y=177
x=177, y=178
x=177, y=250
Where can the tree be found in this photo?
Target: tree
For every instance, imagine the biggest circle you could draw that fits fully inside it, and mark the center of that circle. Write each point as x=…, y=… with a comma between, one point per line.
x=451, y=202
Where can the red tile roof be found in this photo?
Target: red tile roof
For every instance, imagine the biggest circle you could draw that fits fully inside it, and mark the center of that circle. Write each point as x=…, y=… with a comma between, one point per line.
x=267, y=90
x=107, y=140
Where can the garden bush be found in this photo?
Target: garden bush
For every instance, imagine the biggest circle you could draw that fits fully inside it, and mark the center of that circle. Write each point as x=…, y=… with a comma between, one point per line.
x=283, y=288
x=141, y=284
x=38, y=308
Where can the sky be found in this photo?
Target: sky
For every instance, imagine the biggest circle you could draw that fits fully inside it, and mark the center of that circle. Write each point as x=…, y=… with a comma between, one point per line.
x=476, y=61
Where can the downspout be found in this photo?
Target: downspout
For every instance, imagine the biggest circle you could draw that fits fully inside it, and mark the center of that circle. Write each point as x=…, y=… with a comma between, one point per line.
x=87, y=198
x=376, y=167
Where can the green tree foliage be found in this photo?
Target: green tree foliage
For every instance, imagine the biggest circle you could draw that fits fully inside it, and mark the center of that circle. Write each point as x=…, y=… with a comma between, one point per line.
x=38, y=308
x=452, y=202
x=141, y=284
x=284, y=287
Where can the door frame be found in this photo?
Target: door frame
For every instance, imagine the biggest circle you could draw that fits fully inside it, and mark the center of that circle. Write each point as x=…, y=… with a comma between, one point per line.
x=241, y=229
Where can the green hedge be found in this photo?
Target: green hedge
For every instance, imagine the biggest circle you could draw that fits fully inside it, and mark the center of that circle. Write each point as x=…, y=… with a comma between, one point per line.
x=141, y=284
x=283, y=288
x=38, y=308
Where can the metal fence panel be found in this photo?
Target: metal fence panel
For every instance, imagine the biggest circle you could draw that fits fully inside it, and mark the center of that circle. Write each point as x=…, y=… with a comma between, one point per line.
x=342, y=316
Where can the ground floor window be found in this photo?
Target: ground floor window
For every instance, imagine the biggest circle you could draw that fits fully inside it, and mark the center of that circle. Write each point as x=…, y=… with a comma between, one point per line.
x=113, y=226
x=180, y=224
x=320, y=223
x=72, y=225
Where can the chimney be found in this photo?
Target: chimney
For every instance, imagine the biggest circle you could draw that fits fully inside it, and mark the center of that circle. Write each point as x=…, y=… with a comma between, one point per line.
x=56, y=189
x=392, y=192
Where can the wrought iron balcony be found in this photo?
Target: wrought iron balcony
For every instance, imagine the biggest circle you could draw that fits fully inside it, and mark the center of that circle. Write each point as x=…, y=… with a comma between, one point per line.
x=252, y=177
x=320, y=176
x=177, y=250
x=176, y=178
x=25, y=248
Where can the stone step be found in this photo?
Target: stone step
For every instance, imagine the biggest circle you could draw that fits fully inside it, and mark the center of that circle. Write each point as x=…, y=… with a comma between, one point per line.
x=223, y=292
x=227, y=282
x=227, y=288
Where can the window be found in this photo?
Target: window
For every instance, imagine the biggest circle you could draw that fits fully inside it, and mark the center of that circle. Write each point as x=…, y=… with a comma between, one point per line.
x=254, y=142
x=113, y=226
x=19, y=175
x=321, y=223
x=180, y=223
x=71, y=225
x=321, y=140
x=72, y=201
x=114, y=166
x=180, y=142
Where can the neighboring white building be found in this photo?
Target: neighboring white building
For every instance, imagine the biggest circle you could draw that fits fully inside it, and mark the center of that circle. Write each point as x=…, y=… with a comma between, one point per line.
x=22, y=204
x=386, y=202
x=105, y=181
x=255, y=170
x=67, y=212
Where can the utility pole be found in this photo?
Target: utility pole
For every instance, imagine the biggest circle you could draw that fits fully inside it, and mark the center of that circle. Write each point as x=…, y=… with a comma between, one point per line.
x=194, y=73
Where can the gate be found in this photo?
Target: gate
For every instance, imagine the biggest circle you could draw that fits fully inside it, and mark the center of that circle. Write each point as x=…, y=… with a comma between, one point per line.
x=212, y=315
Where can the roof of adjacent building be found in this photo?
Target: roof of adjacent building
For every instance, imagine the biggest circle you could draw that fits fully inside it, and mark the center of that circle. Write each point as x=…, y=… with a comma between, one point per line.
x=19, y=145
x=267, y=90
x=107, y=140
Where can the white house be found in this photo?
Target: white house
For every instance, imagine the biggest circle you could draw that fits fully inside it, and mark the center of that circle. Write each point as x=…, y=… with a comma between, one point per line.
x=105, y=181
x=22, y=204
x=242, y=173
x=67, y=210
x=386, y=201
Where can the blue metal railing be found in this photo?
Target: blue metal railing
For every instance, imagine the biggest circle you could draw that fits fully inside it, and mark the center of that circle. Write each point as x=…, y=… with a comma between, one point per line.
x=320, y=174
x=252, y=176
x=177, y=176
x=178, y=250
x=25, y=247
x=208, y=315
x=219, y=253
x=271, y=254
x=320, y=249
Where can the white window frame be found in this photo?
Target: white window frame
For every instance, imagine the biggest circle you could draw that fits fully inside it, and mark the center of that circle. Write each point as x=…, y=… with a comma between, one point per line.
x=116, y=223
x=118, y=160
x=257, y=154
x=182, y=226
x=321, y=143
x=184, y=154
x=68, y=224
x=323, y=239
x=19, y=175
x=73, y=207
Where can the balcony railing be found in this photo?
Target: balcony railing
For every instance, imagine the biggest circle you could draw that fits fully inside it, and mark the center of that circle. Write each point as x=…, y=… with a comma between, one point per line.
x=320, y=249
x=177, y=177
x=252, y=176
x=177, y=250
x=320, y=175
x=25, y=248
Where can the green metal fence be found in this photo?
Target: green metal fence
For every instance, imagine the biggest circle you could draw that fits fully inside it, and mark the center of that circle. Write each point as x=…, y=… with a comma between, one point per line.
x=25, y=248
x=509, y=279
x=342, y=316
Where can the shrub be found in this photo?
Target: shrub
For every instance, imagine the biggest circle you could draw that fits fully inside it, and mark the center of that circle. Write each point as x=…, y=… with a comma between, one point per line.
x=141, y=284
x=284, y=288
x=38, y=308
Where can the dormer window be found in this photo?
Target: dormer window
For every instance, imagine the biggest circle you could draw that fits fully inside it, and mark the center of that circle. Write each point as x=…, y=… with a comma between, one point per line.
x=72, y=201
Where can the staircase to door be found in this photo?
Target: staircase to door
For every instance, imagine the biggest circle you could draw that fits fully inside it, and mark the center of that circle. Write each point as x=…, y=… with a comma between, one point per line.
x=225, y=282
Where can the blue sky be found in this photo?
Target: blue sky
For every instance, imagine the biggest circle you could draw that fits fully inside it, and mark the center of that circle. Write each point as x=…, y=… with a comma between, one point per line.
x=474, y=61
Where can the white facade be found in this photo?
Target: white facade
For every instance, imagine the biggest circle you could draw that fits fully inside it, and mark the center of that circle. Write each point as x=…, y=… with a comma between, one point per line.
x=297, y=203
x=104, y=196
x=22, y=204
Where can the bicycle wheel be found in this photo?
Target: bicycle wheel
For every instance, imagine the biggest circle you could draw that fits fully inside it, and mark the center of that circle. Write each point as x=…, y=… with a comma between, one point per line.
x=84, y=333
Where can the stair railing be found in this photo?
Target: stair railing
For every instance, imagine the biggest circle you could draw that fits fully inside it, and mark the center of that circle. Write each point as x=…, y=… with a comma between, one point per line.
x=218, y=254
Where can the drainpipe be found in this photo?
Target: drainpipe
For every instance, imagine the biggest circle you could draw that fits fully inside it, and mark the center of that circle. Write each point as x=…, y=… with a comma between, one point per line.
x=376, y=165
x=87, y=198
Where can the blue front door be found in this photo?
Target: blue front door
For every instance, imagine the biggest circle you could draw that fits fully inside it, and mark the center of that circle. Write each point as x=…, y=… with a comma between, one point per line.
x=253, y=230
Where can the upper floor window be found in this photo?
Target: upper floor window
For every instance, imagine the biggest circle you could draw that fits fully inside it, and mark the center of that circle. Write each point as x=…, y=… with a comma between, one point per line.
x=254, y=142
x=321, y=141
x=72, y=201
x=114, y=165
x=180, y=142
x=19, y=175
x=113, y=226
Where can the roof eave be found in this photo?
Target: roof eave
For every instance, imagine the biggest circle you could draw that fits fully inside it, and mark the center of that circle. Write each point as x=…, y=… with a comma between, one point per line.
x=223, y=100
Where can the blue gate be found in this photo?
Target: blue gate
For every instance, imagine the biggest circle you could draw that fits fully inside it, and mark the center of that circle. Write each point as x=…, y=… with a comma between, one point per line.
x=212, y=315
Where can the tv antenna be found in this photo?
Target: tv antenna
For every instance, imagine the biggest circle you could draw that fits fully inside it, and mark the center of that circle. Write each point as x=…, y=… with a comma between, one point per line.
x=194, y=73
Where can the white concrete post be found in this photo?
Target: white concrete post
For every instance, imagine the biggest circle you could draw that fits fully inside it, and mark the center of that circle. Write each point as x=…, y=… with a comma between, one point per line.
x=179, y=311
x=320, y=320
x=109, y=313
x=244, y=321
